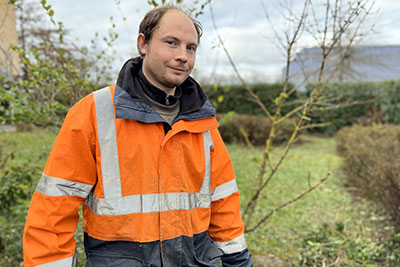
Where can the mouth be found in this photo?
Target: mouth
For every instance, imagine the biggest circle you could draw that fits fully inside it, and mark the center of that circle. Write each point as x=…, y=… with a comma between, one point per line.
x=178, y=70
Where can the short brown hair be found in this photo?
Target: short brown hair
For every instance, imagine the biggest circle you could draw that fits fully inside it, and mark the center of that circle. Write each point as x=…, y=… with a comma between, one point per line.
x=153, y=17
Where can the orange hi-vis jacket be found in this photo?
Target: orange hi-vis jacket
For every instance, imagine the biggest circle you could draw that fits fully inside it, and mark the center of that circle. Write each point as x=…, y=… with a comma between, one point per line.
x=138, y=187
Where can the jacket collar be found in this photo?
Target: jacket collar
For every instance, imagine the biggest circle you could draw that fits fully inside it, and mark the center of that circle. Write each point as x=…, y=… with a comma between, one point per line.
x=157, y=95
x=130, y=101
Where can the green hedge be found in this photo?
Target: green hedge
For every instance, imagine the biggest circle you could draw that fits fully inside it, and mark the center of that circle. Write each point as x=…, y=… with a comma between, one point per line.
x=361, y=102
x=226, y=98
x=371, y=164
x=344, y=102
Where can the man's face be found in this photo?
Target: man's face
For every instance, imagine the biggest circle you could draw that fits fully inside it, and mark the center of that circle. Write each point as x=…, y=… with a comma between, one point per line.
x=170, y=54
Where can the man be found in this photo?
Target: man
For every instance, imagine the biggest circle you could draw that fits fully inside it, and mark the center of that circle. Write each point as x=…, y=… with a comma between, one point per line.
x=145, y=160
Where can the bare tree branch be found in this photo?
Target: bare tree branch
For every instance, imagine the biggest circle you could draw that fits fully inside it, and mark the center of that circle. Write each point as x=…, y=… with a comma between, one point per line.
x=336, y=23
x=267, y=216
x=256, y=98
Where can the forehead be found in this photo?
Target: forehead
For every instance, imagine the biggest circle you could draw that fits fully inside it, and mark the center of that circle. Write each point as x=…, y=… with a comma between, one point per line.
x=177, y=24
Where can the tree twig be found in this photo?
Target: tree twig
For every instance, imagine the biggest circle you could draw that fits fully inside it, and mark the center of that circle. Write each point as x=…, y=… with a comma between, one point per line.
x=253, y=95
x=310, y=189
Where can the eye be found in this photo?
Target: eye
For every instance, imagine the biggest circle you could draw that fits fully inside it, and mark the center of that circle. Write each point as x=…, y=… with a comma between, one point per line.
x=191, y=48
x=170, y=42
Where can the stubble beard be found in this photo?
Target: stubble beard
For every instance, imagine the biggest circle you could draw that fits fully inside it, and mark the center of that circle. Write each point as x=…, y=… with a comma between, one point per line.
x=172, y=81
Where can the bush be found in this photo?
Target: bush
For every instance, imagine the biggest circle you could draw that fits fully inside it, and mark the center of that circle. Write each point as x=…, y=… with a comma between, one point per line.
x=371, y=164
x=55, y=72
x=234, y=126
x=15, y=105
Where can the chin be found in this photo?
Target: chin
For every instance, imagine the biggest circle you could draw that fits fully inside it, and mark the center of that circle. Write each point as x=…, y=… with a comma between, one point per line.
x=177, y=82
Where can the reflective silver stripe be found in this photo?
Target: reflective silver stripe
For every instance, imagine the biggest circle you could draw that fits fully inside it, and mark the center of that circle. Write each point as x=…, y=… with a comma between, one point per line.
x=146, y=203
x=108, y=144
x=208, y=145
x=67, y=262
x=204, y=196
x=57, y=187
x=236, y=245
x=224, y=190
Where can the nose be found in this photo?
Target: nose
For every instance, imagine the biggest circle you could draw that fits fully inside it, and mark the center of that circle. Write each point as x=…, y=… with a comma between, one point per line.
x=182, y=54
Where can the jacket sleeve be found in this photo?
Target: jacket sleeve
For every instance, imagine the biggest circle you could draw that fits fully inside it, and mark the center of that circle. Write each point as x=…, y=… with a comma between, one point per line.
x=67, y=179
x=226, y=226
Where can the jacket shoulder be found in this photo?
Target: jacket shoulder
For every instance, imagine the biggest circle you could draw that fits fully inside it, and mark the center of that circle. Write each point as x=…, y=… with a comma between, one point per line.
x=88, y=102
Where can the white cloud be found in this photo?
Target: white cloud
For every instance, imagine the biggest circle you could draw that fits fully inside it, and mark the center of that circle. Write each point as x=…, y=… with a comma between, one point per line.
x=242, y=25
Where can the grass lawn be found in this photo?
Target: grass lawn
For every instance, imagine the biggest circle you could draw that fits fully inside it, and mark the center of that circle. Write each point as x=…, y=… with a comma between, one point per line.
x=281, y=235
x=26, y=151
x=330, y=204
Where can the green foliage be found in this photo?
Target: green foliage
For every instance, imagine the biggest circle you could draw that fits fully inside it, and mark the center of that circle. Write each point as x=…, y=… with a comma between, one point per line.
x=389, y=101
x=11, y=227
x=336, y=246
x=236, y=98
x=163, y=2
x=16, y=180
x=235, y=127
x=15, y=185
x=49, y=88
x=371, y=164
x=363, y=102
x=392, y=250
x=23, y=155
x=152, y=3
x=196, y=8
x=55, y=72
x=16, y=106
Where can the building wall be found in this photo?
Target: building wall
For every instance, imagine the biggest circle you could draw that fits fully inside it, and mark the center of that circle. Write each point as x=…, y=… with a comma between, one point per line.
x=8, y=36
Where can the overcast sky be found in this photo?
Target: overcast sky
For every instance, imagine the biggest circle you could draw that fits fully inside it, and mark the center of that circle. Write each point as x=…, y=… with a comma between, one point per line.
x=242, y=25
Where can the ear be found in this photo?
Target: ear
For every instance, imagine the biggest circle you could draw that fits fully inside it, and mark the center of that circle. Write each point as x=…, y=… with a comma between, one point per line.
x=142, y=44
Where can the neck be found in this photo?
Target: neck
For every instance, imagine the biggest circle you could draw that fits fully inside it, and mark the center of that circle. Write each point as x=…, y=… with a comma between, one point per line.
x=165, y=97
x=168, y=91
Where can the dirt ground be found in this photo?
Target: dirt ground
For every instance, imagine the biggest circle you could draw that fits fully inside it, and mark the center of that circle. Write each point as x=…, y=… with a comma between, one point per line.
x=268, y=260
